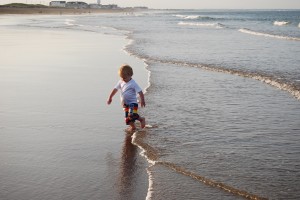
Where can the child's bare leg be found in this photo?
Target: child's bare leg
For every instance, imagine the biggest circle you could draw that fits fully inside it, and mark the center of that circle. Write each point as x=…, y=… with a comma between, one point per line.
x=143, y=122
x=132, y=126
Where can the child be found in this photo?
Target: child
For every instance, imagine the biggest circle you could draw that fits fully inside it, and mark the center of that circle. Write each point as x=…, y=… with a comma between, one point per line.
x=129, y=88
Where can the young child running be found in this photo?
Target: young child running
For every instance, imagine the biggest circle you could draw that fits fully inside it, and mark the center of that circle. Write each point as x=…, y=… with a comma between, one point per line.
x=129, y=89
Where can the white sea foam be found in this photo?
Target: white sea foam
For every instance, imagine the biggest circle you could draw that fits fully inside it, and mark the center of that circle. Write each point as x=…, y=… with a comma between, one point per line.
x=188, y=16
x=281, y=23
x=151, y=161
x=69, y=22
x=143, y=152
x=248, y=31
x=282, y=86
x=196, y=24
x=150, y=187
x=194, y=17
x=215, y=25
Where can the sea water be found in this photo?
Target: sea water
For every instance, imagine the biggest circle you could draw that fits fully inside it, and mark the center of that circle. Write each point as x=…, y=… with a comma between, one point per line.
x=223, y=100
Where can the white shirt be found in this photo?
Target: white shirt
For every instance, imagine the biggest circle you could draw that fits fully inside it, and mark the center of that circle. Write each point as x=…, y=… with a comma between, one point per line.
x=129, y=91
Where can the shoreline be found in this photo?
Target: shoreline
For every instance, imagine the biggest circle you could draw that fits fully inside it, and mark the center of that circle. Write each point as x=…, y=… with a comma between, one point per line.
x=60, y=11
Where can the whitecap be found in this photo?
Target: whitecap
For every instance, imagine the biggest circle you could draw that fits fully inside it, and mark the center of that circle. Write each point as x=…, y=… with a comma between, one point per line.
x=192, y=17
x=69, y=22
x=196, y=24
x=188, y=16
x=215, y=25
x=281, y=23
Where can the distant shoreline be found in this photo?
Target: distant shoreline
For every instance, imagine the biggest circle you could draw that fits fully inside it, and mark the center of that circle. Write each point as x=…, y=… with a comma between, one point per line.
x=60, y=11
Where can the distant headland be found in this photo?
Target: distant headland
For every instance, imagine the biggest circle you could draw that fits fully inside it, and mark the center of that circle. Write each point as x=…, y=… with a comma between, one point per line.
x=63, y=7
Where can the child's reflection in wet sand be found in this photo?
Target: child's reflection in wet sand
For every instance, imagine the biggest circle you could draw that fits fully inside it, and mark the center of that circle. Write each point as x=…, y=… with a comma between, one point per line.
x=128, y=169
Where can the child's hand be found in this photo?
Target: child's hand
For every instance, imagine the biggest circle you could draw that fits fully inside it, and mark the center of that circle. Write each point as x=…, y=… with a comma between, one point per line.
x=143, y=104
x=112, y=94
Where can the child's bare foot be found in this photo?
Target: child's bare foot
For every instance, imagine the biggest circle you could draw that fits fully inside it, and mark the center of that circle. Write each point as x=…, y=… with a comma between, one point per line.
x=132, y=127
x=129, y=130
x=143, y=122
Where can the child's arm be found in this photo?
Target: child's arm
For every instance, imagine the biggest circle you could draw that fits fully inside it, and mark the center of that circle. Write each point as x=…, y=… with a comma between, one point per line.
x=112, y=94
x=143, y=104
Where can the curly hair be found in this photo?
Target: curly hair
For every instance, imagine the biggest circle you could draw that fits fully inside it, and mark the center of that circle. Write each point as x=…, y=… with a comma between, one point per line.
x=125, y=70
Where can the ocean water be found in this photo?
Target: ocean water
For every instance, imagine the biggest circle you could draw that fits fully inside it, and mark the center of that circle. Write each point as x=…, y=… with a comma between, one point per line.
x=223, y=108
x=223, y=101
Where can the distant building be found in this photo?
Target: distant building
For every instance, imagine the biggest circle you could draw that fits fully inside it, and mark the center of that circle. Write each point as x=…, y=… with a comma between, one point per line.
x=141, y=7
x=76, y=4
x=95, y=5
x=81, y=4
x=110, y=6
x=57, y=4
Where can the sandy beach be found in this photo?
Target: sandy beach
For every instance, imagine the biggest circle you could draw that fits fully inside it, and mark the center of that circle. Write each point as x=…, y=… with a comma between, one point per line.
x=59, y=139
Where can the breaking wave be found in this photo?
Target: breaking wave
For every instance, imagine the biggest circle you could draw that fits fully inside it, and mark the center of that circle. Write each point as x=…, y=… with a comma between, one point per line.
x=215, y=25
x=69, y=22
x=281, y=23
x=248, y=31
x=194, y=17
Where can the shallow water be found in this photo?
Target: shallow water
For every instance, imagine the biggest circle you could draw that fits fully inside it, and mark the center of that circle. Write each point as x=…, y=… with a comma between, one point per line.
x=227, y=129
x=222, y=103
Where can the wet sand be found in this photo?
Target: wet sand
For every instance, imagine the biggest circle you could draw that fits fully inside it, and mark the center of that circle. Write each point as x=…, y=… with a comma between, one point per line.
x=58, y=138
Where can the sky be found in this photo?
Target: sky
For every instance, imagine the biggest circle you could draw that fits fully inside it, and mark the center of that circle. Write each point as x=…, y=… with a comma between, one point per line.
x=187, y=4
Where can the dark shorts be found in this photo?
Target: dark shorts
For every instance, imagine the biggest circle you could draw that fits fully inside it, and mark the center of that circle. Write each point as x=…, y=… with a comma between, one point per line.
x=131, y=112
